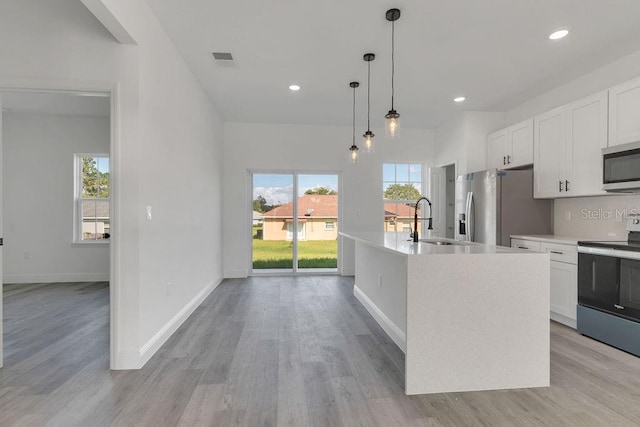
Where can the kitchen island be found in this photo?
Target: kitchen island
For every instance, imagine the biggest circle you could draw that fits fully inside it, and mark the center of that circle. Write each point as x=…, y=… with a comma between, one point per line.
x=468, y=316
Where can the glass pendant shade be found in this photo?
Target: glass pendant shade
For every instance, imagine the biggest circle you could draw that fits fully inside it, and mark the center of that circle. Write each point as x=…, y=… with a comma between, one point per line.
x=393, y=125
x=353, y=154
x=368, y=143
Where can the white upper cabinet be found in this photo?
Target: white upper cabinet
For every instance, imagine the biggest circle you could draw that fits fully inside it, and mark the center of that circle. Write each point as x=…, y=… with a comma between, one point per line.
x=520, y=143
x=567, y=149
x=549, y=153
x=497, y=149
x=511, y=147
x=586, y=137
x=624, y=113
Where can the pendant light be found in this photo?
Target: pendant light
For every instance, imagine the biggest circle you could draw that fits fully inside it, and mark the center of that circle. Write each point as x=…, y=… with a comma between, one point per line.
x=393, y=118
x=368, y=143
x=353, y=150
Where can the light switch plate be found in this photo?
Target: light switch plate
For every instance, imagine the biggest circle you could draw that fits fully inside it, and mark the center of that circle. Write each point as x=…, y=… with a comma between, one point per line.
x=148, y=213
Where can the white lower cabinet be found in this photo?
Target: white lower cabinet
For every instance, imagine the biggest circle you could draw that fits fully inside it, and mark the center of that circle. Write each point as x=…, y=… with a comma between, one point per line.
x=563, y=298
x=564, y=292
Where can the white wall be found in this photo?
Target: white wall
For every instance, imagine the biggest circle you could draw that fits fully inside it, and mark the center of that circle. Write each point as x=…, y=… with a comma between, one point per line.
x=463, y=140
x=167, y=151
x=309, y=148
x=38, y=198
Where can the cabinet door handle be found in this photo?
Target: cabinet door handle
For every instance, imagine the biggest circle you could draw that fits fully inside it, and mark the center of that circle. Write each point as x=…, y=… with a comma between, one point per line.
x=556, y=252
x=522, y=247
x=504, y=160
x=566, y=185
x=560, y=184
x=508, y=160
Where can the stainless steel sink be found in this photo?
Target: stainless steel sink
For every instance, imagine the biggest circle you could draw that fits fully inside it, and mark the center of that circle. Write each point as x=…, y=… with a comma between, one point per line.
x=442, y=242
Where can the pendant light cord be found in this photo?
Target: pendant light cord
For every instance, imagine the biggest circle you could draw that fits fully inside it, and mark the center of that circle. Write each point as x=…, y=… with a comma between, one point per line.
x=369, y=96
x=354, y=116
x=393, y=62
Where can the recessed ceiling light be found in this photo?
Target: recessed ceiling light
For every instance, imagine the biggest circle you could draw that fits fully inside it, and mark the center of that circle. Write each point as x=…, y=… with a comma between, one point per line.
x=556, y=35
x=294, y=87
x=459, y=99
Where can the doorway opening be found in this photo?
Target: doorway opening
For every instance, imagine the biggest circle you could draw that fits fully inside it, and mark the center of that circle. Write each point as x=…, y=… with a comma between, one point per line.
x=294, y=225
x=56, y=221
x=442, y=192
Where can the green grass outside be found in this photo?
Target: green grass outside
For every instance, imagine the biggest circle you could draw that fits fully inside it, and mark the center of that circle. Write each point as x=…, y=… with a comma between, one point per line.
x=279, y=254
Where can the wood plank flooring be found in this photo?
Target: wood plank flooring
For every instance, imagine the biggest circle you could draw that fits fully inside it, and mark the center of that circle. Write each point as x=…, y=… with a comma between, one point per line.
x=286, y=351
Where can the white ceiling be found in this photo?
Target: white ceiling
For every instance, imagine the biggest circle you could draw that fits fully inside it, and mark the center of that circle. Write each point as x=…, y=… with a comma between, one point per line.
x=494, y=52
x=71, y=104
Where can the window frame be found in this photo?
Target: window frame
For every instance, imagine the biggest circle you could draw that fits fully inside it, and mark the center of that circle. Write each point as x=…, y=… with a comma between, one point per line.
x=78, y=199
x=423, y=186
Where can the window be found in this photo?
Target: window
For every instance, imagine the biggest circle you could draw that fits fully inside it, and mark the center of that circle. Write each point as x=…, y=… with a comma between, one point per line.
x=329, y=225
x=92, y=218
x=402, y=185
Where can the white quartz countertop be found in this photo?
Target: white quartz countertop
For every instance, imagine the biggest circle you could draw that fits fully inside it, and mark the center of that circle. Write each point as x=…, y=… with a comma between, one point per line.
x=552, y=238
x=401, y=243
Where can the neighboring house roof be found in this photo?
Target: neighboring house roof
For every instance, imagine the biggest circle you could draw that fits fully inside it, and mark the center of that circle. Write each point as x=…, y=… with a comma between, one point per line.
x=326, y=206
x=398, y=210
x=319, y=206
x=95, y=209
x=257, y=215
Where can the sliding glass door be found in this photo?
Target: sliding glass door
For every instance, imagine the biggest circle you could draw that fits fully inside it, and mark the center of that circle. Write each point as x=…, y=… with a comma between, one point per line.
x=294, y=234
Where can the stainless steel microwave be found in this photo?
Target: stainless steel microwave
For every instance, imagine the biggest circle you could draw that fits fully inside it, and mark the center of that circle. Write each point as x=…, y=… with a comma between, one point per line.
x=621, y=168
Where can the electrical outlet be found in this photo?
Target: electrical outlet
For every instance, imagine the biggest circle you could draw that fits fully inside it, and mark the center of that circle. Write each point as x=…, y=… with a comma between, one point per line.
x=567, y=216
x=380, y=280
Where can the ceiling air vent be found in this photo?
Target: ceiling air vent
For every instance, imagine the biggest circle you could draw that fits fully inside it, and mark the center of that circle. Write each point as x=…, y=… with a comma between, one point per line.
x=224, y=59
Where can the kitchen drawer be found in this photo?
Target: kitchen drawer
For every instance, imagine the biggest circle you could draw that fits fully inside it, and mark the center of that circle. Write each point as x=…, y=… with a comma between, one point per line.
x=560, y=252
x=525, y=244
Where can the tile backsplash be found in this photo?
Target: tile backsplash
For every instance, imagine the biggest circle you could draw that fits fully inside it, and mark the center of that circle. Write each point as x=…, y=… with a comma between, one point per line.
x=594, y=217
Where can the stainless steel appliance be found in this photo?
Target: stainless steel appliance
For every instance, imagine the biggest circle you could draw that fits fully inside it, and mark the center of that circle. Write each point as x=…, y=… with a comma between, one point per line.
x=492, y=205
x=609, y=290
x=621, y=168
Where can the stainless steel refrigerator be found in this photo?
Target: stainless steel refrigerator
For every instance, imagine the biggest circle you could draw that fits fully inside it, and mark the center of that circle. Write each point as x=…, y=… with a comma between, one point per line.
x=492, y=205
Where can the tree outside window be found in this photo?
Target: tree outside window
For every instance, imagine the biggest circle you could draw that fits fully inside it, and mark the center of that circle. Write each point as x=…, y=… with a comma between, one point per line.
x=92, y=200
x=401, y=187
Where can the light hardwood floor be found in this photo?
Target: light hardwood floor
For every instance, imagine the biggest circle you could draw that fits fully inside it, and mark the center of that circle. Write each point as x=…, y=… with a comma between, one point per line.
x=289, y=351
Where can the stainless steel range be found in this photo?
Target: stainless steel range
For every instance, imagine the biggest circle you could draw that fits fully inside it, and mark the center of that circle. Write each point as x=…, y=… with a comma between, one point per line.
x=609, y=290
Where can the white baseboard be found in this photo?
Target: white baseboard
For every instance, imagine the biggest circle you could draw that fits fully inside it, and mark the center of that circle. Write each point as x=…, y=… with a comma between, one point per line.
x=564, y=320
x=394, y=332
x=154, y=344
x=126, y=360
x=55, y=278
x=235, y=274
